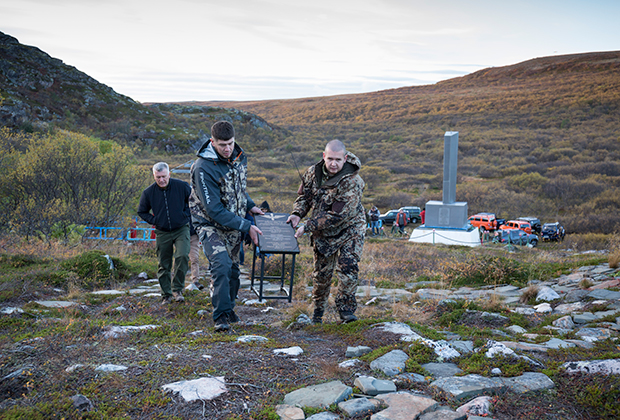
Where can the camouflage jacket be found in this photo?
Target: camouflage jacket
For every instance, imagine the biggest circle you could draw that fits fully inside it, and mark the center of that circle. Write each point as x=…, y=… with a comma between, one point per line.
x=218, y=197
x=338, y=214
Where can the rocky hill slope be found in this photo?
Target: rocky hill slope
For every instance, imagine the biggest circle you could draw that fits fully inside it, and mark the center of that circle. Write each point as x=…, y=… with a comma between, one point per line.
x=38, y=92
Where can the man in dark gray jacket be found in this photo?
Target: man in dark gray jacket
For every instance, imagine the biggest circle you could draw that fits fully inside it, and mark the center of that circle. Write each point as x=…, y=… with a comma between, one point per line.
x=218, y=204
x=165, y=204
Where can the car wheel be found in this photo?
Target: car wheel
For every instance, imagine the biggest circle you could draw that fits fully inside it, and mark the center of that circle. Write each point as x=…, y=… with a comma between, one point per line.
x=414, y=220
x=533, y=243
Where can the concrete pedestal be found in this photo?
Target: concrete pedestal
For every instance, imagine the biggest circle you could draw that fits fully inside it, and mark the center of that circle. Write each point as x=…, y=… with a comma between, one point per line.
x=429, y=235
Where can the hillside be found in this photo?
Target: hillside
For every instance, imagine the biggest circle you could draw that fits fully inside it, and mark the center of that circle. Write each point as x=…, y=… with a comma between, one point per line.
x=39, y=93
x=538, y=137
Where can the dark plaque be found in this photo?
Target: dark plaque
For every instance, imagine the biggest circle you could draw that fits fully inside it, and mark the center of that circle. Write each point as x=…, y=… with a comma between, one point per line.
x=278, y=236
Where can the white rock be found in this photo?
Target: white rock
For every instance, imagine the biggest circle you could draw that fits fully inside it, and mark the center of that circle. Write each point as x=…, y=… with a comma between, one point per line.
x=547, y=293
x=198, y=389
x=543, y=308
x=251, y=339
x=111, y=368
x=349, y=363
x=290, y=351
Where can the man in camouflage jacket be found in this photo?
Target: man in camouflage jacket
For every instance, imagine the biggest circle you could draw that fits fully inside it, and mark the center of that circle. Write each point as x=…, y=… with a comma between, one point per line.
x=218, y=205
x=333, y=189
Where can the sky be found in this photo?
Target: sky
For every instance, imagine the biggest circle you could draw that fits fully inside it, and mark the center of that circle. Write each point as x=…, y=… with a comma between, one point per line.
x=236, y=50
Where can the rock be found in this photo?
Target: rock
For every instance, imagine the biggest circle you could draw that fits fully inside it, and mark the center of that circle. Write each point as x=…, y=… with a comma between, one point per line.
x=605, y=367
x=115, y=331
x=463, y=346
x=110, y=368
x=583, y=318
x=290, y=351
x=391, y=363
x=556, y=343
x=73, y=368
x=319, y=396
x=198, y=389
x=55, y=303
x=463, y=387
x=525, y=311
x=441, y=370
x=496, y=371
x=593, y=334
x=357, y=407
x=324, y=416
x=372, y=386
x=529, y=381
x=349, y=363
x=288, y=412
x=358, y=351
x=543, y=308
x=404, y=405
x=81, y=403
x=12, y=310
x=143, y=276
x=252, y=339
x=604, y=294
x=546, y=293
x=479, y=406
x=303, y=319
x=408, y=378
x=516, y=329
x=443, y=415
x=564, y=322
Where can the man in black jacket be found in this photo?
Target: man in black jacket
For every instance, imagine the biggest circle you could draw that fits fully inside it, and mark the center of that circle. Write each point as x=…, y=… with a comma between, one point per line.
x=219, y=203
x=169, y=201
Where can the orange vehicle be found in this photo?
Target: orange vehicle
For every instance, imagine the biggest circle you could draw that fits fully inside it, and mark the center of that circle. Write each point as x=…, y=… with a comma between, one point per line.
x=483, y=221
x=518, y=224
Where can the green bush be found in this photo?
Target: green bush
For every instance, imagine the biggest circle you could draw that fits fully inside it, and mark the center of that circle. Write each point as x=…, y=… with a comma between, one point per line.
x=93, y=269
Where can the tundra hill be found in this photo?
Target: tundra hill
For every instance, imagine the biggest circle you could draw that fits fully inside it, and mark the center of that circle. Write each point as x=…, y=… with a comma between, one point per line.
x=539, y=137
x=39, y=92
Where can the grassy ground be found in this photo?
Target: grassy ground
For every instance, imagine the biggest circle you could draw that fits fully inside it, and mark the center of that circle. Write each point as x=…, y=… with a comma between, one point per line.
x=45, y=342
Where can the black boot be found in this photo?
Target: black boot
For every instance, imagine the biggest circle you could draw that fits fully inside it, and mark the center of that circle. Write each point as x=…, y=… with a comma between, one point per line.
x=347, y=316
x=318, y=317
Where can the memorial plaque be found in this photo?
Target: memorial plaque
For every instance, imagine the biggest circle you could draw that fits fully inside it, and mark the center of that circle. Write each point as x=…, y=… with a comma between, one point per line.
x=278, y=236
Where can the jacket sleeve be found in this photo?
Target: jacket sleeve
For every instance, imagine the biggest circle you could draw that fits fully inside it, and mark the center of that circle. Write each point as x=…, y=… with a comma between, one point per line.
x=144, y=208
x=208, y=191
x=345, y=206
x=304, y=200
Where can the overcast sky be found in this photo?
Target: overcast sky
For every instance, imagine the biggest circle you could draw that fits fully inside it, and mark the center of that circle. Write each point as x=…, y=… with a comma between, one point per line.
x=181, y=50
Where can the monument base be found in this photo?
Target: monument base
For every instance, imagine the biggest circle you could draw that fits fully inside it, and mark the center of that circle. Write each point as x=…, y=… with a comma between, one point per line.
x=436, y=235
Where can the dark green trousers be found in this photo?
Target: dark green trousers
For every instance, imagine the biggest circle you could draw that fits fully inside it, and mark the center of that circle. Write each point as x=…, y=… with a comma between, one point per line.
x=172, y=245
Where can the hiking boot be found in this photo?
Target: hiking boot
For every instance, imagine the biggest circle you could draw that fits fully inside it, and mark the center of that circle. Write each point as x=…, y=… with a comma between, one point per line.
x=317, y=318
x=347, y=316
x=232, y=317
x=222, y=323
x=198, y=285
x=165, y=300
x=178, y=297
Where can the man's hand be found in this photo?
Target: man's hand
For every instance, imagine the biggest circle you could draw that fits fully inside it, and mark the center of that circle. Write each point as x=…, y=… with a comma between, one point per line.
x=254, y=232
x=300, y=232
x=256, y=210
x=293, y=220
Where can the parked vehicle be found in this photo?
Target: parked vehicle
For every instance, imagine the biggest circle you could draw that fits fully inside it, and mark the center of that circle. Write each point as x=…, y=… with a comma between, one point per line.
x=518, y=224
x=553, y=232
x=515, y=236
x=389, y=217
x=534, y=222
x=483, y=221
x=413, y=212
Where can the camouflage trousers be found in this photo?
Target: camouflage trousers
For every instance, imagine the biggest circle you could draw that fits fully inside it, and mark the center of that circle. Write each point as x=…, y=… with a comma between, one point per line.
x=222, y=250
x=345, y=262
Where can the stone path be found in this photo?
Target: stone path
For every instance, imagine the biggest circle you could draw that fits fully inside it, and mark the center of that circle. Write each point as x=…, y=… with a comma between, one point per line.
x=379, y=395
